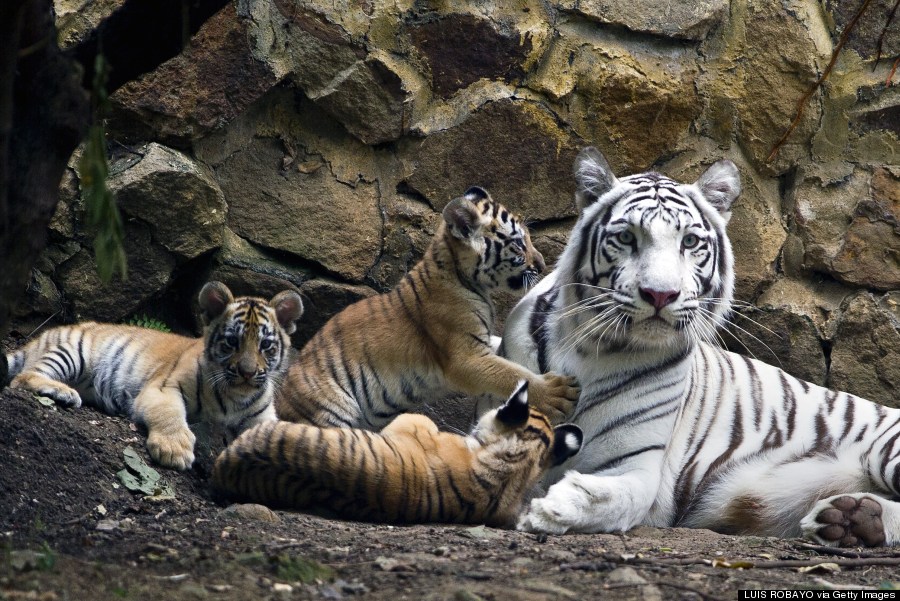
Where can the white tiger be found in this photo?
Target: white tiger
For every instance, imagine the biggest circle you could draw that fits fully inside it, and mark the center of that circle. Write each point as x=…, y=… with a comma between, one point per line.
x=678, y=432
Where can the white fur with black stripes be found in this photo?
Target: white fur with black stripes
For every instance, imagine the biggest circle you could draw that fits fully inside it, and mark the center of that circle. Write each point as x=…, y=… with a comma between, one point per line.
x=676, y=430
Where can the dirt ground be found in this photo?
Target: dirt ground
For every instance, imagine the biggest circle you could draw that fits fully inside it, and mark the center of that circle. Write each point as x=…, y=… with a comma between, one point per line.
x=70, y=530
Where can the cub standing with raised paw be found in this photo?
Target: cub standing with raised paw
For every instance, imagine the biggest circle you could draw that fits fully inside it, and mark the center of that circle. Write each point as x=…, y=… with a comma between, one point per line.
x=161, y=380
x=431, y=335
x=409, y=472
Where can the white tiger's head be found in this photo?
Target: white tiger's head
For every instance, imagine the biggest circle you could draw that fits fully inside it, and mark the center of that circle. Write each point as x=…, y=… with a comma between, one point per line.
x=648, y=264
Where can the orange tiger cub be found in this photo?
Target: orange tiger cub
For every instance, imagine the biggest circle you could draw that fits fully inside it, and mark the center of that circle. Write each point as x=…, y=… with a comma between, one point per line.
x=162, y=380
x=408, y=473
x=429, y=336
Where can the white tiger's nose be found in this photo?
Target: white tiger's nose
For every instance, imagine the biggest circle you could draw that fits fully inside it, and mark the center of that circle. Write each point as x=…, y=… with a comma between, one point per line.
x=658, y=298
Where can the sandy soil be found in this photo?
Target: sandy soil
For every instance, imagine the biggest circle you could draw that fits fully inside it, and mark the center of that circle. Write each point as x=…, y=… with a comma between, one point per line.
x=69, y=530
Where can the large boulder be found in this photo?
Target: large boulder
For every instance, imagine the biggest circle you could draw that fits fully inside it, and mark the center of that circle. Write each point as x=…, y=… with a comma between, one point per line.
x=514, y=149
x=175, y=195
x=306, y=212
x=409, y=227
x=863, y=250
x=459, y=49
x=779, y=337
x=875, y=32
x=767, y=58
x=635, y=101
x=214, y=79
x=865, y=358
x=680, y=20
x=150, y=269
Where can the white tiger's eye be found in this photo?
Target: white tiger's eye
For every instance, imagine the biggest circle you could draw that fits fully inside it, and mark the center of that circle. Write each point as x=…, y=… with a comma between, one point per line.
x=625, y=237
x=690, y=241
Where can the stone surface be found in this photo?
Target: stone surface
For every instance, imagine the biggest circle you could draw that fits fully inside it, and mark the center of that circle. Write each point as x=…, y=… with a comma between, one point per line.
x=819, y=301
x=371, y=99
x=322, y=299
x=176, y=196
x=311, y=215
x=514, y=149
x=212, y=80
x=779, y=337
x=873, y=31
x=409, y=227
x=460, y=49
x=851, y=228
x=870, y=254
x=149, y=272
x=685, y=20
x=773, y=56
x=252, y=512
x=75, y=19
x=865, y=358
x=634, y=100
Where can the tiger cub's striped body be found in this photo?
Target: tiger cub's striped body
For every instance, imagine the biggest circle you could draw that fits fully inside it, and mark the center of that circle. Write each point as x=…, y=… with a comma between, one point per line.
x=431, y=335
x=409, y=472
x=677, y=430
x=163, y=380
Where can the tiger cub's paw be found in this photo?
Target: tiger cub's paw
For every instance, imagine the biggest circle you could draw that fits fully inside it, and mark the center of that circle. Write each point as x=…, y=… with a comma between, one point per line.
x=62, y=394
x=555, y=396
x=172, y=450
x=846, y=521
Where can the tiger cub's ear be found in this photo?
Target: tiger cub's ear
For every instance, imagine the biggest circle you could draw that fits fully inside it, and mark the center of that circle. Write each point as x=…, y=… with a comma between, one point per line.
x=593, y=176
x=514, y=412
x=214, y=297
x=288, y=309
x=461, y=215
x=567, y=440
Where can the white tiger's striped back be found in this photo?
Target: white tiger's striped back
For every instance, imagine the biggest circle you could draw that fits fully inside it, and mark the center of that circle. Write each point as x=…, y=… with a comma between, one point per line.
x=678, y=431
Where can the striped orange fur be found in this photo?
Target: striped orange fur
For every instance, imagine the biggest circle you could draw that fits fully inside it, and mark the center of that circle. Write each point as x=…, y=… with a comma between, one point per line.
x=162, y=380
x=409, y=472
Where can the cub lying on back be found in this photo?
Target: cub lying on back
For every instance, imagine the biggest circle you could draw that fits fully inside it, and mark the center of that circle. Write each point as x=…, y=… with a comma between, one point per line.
x=409, y=472
x=159, y=379
x=431, y=335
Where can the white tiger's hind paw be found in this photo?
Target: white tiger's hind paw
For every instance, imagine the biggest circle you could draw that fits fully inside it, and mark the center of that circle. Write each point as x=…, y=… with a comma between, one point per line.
x=853, y=520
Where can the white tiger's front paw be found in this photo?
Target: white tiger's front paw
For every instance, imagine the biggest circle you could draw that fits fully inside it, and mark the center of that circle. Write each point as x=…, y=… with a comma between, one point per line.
x=543, y=517
x=586, y=503
x=574, y=504
x=172, y=450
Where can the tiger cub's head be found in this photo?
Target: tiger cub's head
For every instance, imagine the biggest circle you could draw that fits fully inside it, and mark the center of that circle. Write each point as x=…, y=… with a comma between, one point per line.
x=247, y=338
x=522, y=437
x=491, y=245
x=649, y=264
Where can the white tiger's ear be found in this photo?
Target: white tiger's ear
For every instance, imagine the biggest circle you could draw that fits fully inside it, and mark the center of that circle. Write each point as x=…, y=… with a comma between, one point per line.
x=567, y=439
x=514, y=412
x=288, y=309
x=461, y=215
x=720, y=185
x=593, y=175
x=214, y=297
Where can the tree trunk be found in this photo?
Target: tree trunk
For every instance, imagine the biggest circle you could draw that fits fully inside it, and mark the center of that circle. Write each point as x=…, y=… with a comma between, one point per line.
x=47, y=117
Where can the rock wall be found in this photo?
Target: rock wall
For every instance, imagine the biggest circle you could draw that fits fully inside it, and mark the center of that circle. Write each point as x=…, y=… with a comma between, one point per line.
x=312, y=144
